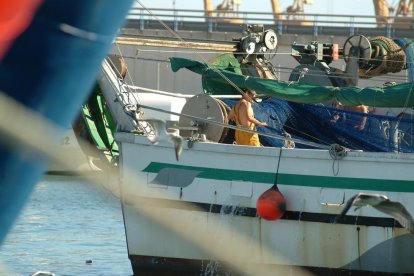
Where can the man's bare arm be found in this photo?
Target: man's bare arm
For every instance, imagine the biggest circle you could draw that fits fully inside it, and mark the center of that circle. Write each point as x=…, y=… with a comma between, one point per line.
x=250, y=115
x=363, y=109
x=252, y=119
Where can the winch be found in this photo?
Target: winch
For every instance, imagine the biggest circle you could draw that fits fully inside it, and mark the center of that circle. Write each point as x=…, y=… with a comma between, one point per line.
x=205, y=108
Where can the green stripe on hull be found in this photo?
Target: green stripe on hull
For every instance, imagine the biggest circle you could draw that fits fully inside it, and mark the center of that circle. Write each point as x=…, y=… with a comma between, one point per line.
x=293, y=179
x=347, y=183
x=217, y=174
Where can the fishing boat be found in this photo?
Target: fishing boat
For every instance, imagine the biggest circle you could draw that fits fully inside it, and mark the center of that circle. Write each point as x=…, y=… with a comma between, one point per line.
x=315, y=157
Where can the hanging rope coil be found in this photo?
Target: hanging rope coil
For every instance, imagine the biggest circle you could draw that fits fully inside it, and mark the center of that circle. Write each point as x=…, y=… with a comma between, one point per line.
x=337, y=152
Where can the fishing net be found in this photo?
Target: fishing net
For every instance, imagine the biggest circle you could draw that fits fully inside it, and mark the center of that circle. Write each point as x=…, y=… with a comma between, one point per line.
x=327, y=125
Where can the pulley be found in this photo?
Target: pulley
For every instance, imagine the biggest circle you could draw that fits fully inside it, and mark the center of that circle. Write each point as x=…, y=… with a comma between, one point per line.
x=270, y=39
x=258, y=40
x=357, y=46
x=248, y=47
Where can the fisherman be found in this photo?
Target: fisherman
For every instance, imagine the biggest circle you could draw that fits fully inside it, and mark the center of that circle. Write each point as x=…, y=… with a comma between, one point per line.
x=359, y=121
x=242, y=113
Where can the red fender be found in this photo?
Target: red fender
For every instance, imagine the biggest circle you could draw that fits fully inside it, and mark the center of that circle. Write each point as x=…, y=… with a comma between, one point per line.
x=271, y=205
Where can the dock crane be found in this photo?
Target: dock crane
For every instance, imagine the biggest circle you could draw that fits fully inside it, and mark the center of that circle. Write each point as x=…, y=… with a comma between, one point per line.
x=405, y=8
x=382, y=11
x=404, y=11
x=228, y=10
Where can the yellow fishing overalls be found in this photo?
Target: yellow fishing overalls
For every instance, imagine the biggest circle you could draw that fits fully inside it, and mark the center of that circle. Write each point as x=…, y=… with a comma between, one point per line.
x=243, y=137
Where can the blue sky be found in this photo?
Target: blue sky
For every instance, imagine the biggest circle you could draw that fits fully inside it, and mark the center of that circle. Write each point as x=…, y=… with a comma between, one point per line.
x=344, y=7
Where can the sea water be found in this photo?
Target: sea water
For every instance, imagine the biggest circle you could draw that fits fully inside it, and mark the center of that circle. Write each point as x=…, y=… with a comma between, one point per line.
x=69, y=227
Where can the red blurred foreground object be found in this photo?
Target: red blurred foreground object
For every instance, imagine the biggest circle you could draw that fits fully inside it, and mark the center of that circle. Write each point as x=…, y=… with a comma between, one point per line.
x=15, y=17
x=271, y=205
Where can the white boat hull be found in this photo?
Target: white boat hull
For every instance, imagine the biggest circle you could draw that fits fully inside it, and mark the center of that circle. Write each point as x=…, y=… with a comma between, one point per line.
x=223, y=183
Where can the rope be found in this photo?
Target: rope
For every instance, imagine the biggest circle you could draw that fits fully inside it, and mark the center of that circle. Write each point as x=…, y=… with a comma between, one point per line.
x=129, y=107
x=337, y=152
x=392, y=54
x=175, y=34
x=387, y=57
x=405, y=105
x=278, y=166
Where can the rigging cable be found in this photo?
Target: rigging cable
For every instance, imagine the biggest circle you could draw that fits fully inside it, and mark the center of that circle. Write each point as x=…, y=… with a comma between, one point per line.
x=222, y=75
x=205, y=61
x=280, y=137
x=176, y=35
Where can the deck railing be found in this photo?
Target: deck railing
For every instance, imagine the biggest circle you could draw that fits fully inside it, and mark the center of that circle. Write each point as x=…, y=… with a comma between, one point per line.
x=183, y=19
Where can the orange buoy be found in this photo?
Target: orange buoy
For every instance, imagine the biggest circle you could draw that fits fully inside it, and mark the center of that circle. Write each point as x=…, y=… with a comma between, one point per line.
x=271, y=205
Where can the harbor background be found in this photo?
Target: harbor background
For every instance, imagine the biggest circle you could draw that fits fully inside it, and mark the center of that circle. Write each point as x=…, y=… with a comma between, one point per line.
x=66, y=222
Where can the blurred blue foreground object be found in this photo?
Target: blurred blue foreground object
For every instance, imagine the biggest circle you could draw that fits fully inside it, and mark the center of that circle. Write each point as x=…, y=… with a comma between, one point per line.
x=51, y=68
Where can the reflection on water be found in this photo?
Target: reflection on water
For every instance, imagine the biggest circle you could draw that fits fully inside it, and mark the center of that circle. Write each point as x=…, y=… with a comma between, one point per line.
x=65, y=223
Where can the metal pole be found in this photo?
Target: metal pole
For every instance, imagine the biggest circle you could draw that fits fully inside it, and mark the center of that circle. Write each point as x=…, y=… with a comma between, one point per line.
x=388, y=29
x=279, y=27
x=175, y=27
x=352, y=26
x=315, y=26
x=158, y=76
x=141, y=20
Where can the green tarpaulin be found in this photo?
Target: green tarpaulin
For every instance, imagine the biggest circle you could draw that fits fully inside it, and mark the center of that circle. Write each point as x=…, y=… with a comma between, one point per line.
x=216, y=81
